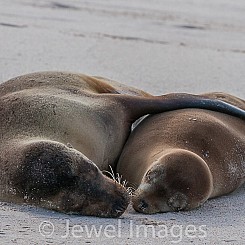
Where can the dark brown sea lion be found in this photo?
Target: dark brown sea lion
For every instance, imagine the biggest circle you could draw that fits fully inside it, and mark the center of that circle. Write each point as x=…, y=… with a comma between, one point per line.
x=59, y=130
x=181, y=158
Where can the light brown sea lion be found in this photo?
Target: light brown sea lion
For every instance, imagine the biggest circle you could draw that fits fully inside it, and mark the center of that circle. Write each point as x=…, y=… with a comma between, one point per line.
x=179, y=159
x=58, y=130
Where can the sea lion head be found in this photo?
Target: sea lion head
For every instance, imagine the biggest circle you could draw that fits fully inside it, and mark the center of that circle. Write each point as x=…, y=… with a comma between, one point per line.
x=94, y=194
x=54, y=176
x=179, y=180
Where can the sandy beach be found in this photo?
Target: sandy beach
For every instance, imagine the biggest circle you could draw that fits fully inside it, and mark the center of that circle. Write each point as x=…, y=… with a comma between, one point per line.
x=159, y=46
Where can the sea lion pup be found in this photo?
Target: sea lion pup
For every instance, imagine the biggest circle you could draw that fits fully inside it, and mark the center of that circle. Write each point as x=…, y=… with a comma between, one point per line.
x=59, y=130
x=179, y=159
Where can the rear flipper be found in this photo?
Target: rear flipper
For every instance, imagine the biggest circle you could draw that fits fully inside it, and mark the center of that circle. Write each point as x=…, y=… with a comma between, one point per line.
x=227, y=98
x=140, y=106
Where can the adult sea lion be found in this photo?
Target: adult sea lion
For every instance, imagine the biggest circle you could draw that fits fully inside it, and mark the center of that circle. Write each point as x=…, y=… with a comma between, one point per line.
x=58, y=130
x=181, y=158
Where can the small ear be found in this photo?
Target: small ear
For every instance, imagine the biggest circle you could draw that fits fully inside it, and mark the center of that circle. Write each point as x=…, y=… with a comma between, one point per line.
x=178, y=201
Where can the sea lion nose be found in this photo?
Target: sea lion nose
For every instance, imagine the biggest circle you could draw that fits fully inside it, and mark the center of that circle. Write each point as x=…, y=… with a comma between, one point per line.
x=119, y=209
x=143, y=205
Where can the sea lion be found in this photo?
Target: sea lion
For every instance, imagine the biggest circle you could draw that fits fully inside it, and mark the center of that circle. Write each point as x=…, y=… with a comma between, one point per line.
x=59, y=130
x=179, y=159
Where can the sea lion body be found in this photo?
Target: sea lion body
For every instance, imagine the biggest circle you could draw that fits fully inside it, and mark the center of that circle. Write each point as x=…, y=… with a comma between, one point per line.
x=55, y=126
x=59, y=130
x=179, y=159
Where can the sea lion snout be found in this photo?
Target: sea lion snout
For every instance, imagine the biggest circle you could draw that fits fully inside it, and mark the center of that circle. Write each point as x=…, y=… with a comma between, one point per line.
x=120, y=204
x=102, y=197
x=108, y=198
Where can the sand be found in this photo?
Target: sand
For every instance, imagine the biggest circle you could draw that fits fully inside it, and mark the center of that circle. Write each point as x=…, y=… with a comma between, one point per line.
x=160, y=46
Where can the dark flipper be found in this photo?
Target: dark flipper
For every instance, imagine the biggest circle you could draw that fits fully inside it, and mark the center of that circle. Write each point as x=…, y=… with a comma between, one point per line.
x=140, y=106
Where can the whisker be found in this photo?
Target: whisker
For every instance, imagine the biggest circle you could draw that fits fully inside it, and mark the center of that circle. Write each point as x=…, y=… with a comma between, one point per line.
x=111, y=175
x=124, y=183
x=112, y=172
x=130, y=191
x=119, y=179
